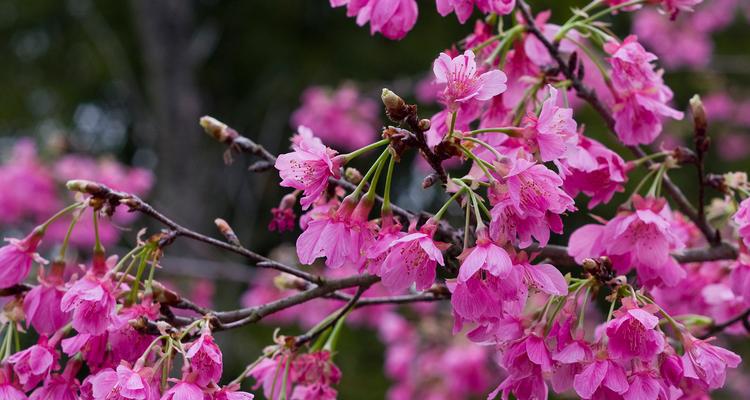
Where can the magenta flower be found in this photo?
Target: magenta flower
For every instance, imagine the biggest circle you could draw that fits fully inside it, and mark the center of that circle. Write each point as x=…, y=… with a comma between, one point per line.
x=8, y=389
x=57, y=387
x=525, y=361
x=34, y=364
x=742, y=219
x=553, y=133
x=92, y=348
x=205, y=359
x=600, y=374
x=633, y=334
x=606, y=176
x=42, y=304
x=340, y=236
x=645, y=385
x=269, y=373
x=232, y=392
x=463, y=83
x=16, y=258
x=464, y=8
x=124, y=384
x=392, y=18
x=640, y=92
x=528, y=202
x=126, y=342
x=92, y=302
x=183, y=390
x=707, y=363
x=413, y=259
x=485, y=255
x=315, y=373
x=644, y=239
x=308, y=166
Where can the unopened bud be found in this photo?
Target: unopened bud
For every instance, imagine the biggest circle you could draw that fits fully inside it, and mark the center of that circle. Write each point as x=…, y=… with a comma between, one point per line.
x=84, y=186
x=287, y=282
x=353, y=175
x=699, y=114
x=424, y=125
x=217, y=129
x=227, y=231
x=391, y=100
x=589, y=265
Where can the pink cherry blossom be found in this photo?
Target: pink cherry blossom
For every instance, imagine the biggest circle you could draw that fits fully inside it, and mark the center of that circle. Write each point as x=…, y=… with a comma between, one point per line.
x=600, y=373
x=308, y=166
x=340, y=236
x=392, y=18
x=232, y=392
x=63, y=386
x=124, y=383
x=641, y=95
x=92, y=348
x=92, y=302
x=462, y=81
x=464, y=8
x=8, y=388
x=644, y=385
x=600, y=182
x=16, y=258
x=42, y=303
x=554, y=131
x=34, y=364
x=413, y=259
x=205, y=359
x=183, y=390
x=487, y=256
x=633, y=334
x=706, y=362
x=269, y=373
x=126, y=342
x=528, y=202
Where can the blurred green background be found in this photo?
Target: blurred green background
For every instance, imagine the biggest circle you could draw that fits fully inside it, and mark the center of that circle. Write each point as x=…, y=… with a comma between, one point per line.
x=133, y=77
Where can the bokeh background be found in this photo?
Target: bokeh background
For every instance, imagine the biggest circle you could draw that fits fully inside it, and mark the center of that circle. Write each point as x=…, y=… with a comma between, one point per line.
x=130, y=80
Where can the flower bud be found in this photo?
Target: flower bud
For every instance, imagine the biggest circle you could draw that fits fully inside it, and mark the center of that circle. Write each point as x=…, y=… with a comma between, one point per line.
x=217, y=129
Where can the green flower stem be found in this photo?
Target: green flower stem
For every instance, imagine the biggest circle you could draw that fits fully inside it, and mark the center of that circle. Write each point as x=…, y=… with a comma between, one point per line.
x=359, y=152
x=355, y=194
x=386, y=208
x=438, y=215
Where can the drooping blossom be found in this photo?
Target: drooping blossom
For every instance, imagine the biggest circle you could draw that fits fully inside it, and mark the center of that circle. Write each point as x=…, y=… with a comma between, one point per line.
x=231, y=392
x=92, y=302
x=645, y=384
x=707, y=363
x=340, y=236
x=126, y=342
x=315, y=373
x=486, y=255
x=528, y=202
x=553, y=133
x=41, y=304
x=124, y=383
x=391, y=18
x=642, y=238
x=633, y=334
x=600, y=182
x=184, y=390
x=93, y=349
x=8, y=388
x=525, y=361
x=641, y=95
x=413, y=259
x=205, y=359
x=269, y=373
x=463, y=82
x=601, y=373
x=341, y=117
x=464, y=8
x=63, y=386
x=308, y=166
x=34, y=364
x=16, y=258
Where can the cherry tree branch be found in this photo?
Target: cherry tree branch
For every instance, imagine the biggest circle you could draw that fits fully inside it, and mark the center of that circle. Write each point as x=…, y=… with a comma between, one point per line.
x=585, y=93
